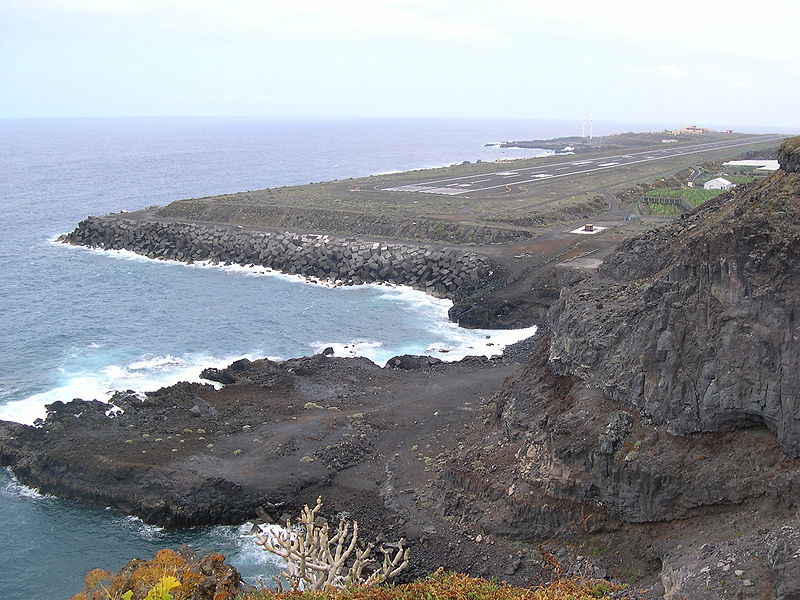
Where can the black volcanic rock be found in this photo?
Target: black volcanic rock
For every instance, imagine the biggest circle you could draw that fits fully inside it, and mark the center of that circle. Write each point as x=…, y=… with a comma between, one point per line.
x=695, y=325
x=657, y=419
x=410, y=362
x=789, y=155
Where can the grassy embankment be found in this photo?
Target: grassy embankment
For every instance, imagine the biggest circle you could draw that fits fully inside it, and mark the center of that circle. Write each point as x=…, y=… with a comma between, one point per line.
x=364, y=206
x=695, y=196
x=739, y=179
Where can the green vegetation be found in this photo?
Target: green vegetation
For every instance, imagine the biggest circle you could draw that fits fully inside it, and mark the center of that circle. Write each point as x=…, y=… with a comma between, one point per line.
x=695, y=196
x=666, y=210
x=739, y=179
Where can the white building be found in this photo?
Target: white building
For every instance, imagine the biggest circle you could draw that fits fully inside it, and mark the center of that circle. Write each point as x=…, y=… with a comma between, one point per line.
x=720, y=183
x=755, y=168
x=768, y=165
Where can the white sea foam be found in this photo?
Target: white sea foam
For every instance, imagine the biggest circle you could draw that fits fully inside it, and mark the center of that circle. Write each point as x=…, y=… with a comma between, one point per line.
x=450, y=343
x=249, y=270
x=156, y=363
x=367, y=348
x=15, y=488
x=144, y=530
x=146, y=373
x=458, y=342
x=252, y=553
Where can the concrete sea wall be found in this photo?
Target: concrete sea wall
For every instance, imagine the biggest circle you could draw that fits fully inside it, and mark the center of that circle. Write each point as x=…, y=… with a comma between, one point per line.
x=437, y=271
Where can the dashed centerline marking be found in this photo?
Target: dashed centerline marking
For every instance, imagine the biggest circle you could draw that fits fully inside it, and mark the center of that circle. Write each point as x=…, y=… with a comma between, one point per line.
x=442, y=186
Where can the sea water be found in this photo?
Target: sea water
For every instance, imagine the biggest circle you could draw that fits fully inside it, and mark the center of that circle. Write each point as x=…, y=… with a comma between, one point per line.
x=79, y=323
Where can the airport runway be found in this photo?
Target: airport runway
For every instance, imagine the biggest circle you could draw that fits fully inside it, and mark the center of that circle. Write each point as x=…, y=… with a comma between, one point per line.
x=504, y=181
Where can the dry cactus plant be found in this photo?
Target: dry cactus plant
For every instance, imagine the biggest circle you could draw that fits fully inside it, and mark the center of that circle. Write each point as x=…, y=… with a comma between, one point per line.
x=317, y=558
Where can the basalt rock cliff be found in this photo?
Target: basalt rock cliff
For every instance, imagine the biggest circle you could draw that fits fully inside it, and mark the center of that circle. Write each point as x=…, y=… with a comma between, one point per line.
x=695, y=325
x=657, y=425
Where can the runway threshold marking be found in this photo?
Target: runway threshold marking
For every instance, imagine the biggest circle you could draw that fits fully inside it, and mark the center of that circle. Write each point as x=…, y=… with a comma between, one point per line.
x=633, y=162
x=427, y=185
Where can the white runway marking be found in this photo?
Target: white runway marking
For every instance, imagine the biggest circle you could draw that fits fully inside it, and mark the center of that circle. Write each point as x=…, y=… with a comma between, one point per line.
x=582, y=230
x=449, y=186
x=686, y=150
x=447, y=191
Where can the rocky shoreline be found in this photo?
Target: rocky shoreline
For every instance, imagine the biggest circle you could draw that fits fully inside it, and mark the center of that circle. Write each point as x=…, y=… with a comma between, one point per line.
x=274, y=437
x=649, y=434
x=438, y=271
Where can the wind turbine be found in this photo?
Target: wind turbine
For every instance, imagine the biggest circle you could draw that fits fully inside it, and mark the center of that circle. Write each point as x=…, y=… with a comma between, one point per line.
x=587, y=126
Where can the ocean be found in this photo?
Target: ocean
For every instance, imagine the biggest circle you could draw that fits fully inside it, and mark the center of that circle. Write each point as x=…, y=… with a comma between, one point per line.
x=79, y=323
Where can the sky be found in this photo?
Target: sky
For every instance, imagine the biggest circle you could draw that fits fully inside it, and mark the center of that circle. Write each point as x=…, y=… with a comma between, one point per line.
x=694, y=62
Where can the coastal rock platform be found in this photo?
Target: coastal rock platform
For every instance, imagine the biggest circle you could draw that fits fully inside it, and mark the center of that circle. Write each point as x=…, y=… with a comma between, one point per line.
x=276, y=436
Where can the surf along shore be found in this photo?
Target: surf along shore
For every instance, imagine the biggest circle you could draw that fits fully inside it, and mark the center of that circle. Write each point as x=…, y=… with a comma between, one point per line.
x=368, y=439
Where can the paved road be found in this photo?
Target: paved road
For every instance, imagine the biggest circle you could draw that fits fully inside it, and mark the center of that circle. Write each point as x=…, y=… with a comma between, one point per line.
x=499, y=181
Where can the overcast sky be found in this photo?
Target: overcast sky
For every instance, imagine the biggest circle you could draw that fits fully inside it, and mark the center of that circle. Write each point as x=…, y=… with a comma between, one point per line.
x=704, y=62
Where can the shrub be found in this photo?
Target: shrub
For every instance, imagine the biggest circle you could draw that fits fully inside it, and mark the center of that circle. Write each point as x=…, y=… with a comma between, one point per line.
x=169, y=575
x=318, y=557
x=453, y=586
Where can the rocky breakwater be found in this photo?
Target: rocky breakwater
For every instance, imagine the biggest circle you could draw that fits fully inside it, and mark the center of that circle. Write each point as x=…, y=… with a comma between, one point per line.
x=655, y=428
x=435, y=270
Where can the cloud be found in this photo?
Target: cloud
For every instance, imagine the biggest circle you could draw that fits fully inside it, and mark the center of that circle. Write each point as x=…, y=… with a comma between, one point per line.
x=714, y=26
x=297, y=19
x=720, y=26
x=669, y=71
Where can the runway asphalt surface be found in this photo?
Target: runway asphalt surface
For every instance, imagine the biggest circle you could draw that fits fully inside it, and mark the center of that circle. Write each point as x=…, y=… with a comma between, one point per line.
x=504, y=181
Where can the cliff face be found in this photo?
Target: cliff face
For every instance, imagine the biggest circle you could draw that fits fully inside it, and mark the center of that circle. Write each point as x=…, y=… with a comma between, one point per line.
x=657, y=423
x=695, y=325
x=789, y=155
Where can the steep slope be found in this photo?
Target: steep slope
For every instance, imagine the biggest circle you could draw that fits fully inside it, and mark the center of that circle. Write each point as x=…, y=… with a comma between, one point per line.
x=657, y=425
x=695, y=325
